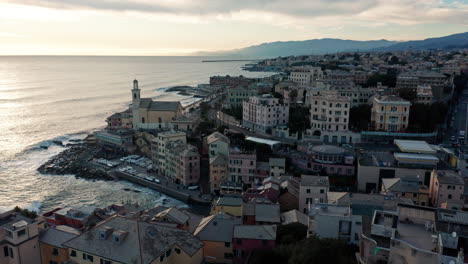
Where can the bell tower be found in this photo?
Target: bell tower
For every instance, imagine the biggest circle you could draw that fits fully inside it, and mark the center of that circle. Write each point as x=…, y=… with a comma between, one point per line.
x=135, y=104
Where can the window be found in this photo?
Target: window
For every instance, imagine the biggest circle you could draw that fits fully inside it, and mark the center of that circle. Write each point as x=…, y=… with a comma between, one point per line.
x=161, y=258
x=5, y=251
x=22, y=232
x=239, y=241
x=227, y=244
x=73, y=253
x=308, y=190
x=168, y=253
x=55, y=252
x=450, y=196
x=104, y=261
x=264, y=243
x=52, y=262
x=177, y=250
x=228, y=255
x=322, y=190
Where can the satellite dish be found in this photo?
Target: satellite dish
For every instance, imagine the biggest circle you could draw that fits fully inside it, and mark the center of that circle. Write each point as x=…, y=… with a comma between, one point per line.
x=452, y=261
x=454, y=234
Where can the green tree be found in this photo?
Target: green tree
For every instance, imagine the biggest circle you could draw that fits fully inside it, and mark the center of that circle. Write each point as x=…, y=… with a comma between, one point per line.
x=290, y=233
x=360, y=117
x=408, y=94
x=298, y=119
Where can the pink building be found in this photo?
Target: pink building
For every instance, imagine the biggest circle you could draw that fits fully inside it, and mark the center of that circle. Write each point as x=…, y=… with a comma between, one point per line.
x=242, y=167
x=188, y=169
x=262, y=113
x=247, y=238
x=446, y=189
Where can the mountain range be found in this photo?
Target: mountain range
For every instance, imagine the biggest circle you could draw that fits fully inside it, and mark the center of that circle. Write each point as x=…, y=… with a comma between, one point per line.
x=330, y=45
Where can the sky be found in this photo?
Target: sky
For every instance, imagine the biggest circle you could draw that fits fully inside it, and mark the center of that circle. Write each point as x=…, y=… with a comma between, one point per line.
x=182, y=27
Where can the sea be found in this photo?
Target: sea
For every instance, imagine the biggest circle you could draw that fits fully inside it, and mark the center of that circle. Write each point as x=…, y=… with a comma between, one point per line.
x=47, y=98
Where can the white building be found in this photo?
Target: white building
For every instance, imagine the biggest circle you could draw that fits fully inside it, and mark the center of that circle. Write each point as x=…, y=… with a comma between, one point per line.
x=304, y=75
x=264, y=112
x=312, y=190
x=329, y=112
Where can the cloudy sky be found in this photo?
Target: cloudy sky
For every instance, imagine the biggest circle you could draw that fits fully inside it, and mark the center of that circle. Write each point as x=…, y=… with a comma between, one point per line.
x=178, y=27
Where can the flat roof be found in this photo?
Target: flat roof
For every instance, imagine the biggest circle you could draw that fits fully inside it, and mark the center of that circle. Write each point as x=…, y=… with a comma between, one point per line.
x=263, y=141
x=414, y=146
x=416, y=158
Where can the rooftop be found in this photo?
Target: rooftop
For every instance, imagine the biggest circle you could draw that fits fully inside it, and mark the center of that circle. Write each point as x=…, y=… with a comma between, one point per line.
x=218, y=227
x=175, y=214
x=216, y=136
x=159, y=105
x=414, y=146
x=294, y=216
x=449, y=177
x=55, y=237
x=277, y=162
x=328, y=149
x=261, y=232
x=229, y=201
x=310, y=180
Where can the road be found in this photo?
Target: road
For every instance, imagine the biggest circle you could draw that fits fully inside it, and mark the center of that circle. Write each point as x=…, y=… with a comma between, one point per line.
x=458, y=121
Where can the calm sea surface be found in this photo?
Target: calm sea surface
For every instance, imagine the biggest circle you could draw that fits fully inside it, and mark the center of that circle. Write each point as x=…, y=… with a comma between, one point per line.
x=45, y=98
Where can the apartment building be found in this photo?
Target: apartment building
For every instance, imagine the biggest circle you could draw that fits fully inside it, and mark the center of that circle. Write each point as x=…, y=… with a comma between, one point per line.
x=51, y=244
x=447, y=189
x=159, y=148
x=182, y=163
x=19, y=239
x=242, y=167
x=390, y=113
x=304, y=75
x=262, y=113
x=406, y=187
x=217, y=144
x=219, y=171
x=441, y=84
x=312, y=190
x=424, y=94
x=329, y=112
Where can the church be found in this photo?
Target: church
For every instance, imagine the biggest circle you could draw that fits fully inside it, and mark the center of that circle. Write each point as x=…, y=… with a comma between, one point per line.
x=149, y=114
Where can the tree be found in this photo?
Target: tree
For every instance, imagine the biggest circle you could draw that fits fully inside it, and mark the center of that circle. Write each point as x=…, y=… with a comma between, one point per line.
x=360, y=117
x=408, y=94
x=386, y=79
x=293, y=95
x=425, y=118
x=298, y=119
x=291, y=233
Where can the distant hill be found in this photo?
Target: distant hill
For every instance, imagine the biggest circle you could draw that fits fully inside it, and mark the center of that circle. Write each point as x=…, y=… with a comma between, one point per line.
x=328, y=45
x=451, y=41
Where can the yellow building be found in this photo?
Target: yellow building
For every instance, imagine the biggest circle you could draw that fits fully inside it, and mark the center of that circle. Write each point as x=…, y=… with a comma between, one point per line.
x=390, y=113
x=51, y=244
x=215, y=231
x=218, y=171
x=124, y=240
x=149, y=114
x=228, y=205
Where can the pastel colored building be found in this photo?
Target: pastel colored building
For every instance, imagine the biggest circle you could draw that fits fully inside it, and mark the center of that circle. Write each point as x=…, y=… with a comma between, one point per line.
x=124, y=240
x=19, y=239
x=215, y=231
x=262, y=113
x=182, y=163
x=390, y=113
x=304, y=75
x=260, y=212
x=51, y=244
x=149, y=114
x=312, y=190
x=329, y=112
x=73, y=217
x=159, y=148
x=406, y=187
x=277, y=167
x=242, y=167
x=228, y=205
x=248, y=238
x=219, y=171
x=447, y=189
x=217, y=144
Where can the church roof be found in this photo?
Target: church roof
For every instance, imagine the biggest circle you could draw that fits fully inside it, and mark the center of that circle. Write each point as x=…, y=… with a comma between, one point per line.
x=159, y=105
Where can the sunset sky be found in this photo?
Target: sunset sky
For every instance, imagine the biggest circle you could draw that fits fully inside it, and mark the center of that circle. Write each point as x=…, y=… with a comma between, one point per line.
x=180, y=27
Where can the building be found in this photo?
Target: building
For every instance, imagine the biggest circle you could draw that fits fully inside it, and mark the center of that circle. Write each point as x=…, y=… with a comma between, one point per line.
x=289, y=194
x=242, y=167
x=447, y=189
x=390, y=113
x=304, y=75
x=407, y=187
x=331, y=159
x=230, y=205
x=277, y=167
x=19, y=239
x=182, y=163
x=260, y=211
x=262, y=113
x=231, y=81
x=115, y=140
x=159, y=148
x=312, y=190
x=329, y=112
x=51, y=244
x=124, y=240
x=219, y=171
x=442, y=85
x=424, y=94
x=173, y=216
x=294, y=216
x=79, y=217
x=332, y=221
x=247, y=238
x=237, y=96
x=149, y=114
x=217, y=144
x=215, y=231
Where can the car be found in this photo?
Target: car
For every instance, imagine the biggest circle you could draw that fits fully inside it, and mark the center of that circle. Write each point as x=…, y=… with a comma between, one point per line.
x=195, y=187
x=157, y=181
x=453, y=138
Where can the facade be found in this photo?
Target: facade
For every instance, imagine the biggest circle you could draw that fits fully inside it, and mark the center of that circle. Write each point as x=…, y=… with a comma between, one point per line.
x=424, y=94
x=51, y=245
x=312, y=190
x=124, y=240
x=115, y=140
x=441, y=85
x=215, y=231
x=390, y=113
x=260, y=212
x=237, y=96
x=19, y=239
x=228, y=205
x=247, y=238
x=182, y=163
x=159, y=146
x=262, y=113
x=217, y=144
x=149, y=114
x=242, y=167
x=277, y=167
x=78, y=217
x=303, y=76
x=219, y=171
x=230, y=81
x=331, y=159
x=331, y=221
x=329, y=112
x=446, y=189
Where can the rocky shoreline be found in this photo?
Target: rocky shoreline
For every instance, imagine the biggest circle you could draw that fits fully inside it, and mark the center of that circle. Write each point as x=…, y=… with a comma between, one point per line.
x=75, y=160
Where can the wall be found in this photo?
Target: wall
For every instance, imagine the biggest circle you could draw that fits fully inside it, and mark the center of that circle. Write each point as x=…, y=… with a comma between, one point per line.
x=213, y=252
x=47, y=256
